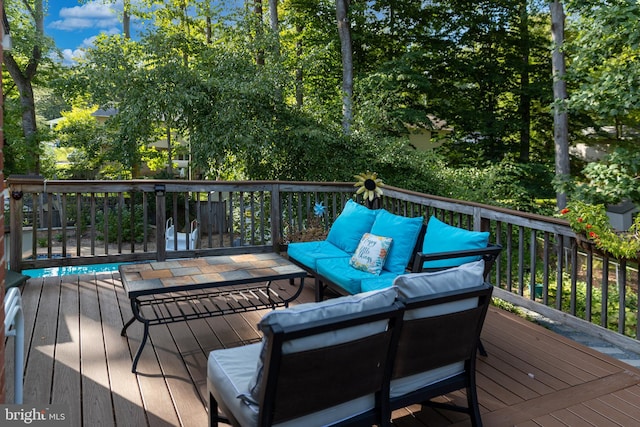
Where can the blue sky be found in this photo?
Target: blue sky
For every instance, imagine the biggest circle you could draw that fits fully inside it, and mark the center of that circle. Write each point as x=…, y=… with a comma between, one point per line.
x=74, y=25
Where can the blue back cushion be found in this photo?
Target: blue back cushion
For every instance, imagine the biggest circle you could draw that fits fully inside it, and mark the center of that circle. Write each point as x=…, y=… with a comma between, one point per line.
x=404, y=232
x=442, y=237
x=350, y=226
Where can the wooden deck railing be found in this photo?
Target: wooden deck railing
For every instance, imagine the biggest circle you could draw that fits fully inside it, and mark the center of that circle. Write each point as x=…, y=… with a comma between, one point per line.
x=65, y=223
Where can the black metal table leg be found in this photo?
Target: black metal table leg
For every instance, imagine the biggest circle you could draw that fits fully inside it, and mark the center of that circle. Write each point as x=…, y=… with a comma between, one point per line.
x=123, y=332
x=135, y=309
x=140, y=347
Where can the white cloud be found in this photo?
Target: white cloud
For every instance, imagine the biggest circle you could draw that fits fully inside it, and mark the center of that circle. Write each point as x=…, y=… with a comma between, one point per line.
x=71, y=56
x=88, y=15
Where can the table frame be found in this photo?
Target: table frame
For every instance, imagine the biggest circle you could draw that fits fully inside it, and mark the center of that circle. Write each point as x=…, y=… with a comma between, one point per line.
x=195, y=288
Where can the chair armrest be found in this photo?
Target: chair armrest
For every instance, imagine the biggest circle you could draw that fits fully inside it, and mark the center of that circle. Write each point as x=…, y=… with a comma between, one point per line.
x=489, y=254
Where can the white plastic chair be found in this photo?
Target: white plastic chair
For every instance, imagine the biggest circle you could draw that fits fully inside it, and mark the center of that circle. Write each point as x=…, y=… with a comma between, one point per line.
x=14, y=326
x=170, y=236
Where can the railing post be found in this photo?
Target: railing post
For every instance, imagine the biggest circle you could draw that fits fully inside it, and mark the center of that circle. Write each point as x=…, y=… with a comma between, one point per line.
x=18, y=185
x=161, y=249
x=276, y=217
x=15, y=239
x=478, y=223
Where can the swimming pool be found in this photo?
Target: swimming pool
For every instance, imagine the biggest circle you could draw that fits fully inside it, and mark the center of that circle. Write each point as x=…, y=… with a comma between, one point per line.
x=73, y=270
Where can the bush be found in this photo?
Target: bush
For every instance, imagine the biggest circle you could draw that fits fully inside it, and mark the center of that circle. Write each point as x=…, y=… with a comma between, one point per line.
x=117, y=221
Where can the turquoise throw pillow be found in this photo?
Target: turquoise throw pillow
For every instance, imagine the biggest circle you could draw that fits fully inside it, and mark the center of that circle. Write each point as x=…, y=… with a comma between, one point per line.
x=350, y=226
x=442, y=237
x=404, y=231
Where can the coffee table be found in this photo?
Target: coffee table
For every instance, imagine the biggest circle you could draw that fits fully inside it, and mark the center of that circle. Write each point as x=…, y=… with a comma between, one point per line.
x=194, y=288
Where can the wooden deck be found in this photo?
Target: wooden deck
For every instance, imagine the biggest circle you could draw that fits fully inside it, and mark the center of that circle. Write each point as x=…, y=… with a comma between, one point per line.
x=75, y=356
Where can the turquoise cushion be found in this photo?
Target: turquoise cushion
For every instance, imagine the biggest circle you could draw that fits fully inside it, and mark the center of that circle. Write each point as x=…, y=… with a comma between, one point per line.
x=376, y=283
x=351, y=224
x=338, y=271
x=441, y=237
x=404, y=232
x=308, y=253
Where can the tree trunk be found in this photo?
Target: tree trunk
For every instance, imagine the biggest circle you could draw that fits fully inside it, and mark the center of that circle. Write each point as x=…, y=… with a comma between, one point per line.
x=257, y=9
x=346, y=50
x=23, y=79
x=126, y=19
x=23, y=83
x=560, y=118
x=273, y=14
x=524, y=108
x=299, y=71
x=169, y=150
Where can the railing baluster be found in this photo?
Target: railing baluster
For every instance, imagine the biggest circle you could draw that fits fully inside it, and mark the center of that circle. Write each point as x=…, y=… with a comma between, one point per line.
x=622, y=288
x=532, y=264
x=521, y=266
x=574, y=279
x=605, y=292
x=589, y=285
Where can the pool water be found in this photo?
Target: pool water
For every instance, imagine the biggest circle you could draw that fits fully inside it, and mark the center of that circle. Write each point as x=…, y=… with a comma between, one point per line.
x=72, y=270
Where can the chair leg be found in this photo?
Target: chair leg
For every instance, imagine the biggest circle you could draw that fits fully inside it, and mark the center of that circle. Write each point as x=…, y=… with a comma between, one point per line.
x=319, y=289
x=213, y=411
x=481, y=349
x=472, y=402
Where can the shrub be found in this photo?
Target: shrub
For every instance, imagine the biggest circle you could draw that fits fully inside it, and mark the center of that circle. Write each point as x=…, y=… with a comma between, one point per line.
x=118, y=222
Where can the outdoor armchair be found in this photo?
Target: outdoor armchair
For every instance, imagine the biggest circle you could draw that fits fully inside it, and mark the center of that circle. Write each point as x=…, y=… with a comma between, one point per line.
x=319, y=364
x=439, y=340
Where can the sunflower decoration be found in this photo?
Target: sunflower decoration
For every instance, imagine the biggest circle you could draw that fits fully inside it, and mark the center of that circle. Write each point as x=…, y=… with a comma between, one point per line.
x=369, y=185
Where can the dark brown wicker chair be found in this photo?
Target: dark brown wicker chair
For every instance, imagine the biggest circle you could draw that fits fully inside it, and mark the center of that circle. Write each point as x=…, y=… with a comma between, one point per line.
x=437, y=349
x=300, y=385
x=489, y=254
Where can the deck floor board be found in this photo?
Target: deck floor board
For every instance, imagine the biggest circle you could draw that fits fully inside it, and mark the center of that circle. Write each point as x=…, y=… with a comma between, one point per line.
x=66, y=384
x=76, y=356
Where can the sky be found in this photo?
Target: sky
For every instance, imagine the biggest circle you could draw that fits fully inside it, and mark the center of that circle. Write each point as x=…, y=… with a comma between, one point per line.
x=74, y=24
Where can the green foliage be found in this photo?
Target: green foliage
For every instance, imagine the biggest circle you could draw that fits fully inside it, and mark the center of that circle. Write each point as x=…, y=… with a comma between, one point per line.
x=79, y=130
x=592, y=222
x=609, y=181
x=603, y=60
x=114, y=219
x=612, y=310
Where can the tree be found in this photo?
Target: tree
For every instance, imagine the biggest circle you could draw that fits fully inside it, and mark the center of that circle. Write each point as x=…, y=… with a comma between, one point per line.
x=560, y=117
x=344, y=30
x=603, y=67
x=80, y=132
x=22, y=62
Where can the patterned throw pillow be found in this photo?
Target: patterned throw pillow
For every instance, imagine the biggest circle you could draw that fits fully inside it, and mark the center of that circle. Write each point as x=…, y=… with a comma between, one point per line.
x=371, y=253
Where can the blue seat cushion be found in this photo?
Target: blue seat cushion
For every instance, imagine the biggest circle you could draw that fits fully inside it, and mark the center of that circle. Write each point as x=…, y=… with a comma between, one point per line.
x=339, y=272
x=376, y=283
x=442, y=237
x=308, y=253
x=404, y=231
x=350, y=226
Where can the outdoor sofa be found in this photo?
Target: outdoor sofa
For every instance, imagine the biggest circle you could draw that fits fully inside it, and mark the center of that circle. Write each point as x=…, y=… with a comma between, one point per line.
x=351, y=360
x=367, y=249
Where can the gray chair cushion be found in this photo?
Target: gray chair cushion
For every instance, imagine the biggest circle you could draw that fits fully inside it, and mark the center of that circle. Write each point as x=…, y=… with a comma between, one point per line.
x=305, y=313
x=229, y=372
x=421, y=284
